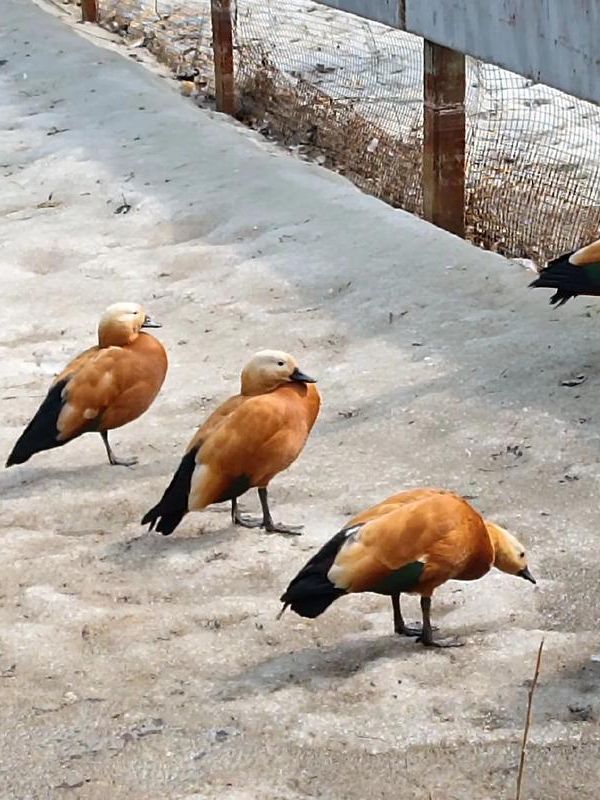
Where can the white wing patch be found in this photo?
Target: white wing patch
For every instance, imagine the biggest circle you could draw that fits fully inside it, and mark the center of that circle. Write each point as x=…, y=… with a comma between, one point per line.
x=335, y=572
x=351, y=533
x=196, y=486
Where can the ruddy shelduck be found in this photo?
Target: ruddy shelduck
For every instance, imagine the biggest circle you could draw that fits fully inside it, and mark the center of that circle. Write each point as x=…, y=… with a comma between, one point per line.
x=248, y=440
x=412, y=542
x=103, y=388
x=577, y=272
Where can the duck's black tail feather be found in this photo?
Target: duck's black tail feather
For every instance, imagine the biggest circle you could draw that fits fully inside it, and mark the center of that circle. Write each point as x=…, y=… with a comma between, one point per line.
x=173, y=506
x=311, y=592
x=568, y=280
x=41, y=433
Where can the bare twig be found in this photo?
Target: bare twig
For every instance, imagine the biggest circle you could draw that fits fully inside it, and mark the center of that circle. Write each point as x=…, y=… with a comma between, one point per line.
x=528, y=720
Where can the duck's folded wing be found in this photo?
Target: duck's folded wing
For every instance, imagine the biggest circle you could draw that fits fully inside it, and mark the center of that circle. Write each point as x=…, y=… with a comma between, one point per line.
x=215, y=419
x=381, y=549
x=252, y=440
x=219, y=462
x=74, y=365
x=357, y=559
x=87, y=394
x=76, y=398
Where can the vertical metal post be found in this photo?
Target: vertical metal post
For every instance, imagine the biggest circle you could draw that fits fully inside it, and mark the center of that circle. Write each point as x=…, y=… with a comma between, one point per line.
x=89, y=11
x=444, y=138
x=222, y=31
x=402, y=14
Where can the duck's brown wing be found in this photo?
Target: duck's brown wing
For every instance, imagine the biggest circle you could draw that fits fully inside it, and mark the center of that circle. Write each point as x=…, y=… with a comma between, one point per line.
x=49, y=428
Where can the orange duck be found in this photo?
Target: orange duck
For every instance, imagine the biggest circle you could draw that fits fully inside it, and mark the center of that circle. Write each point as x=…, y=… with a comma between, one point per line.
x=248, y=440
x=103, y=388
x=412, y=542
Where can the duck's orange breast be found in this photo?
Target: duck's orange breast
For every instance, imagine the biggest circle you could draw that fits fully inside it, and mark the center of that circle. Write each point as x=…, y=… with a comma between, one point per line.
x=249, y=440
x=139, y=371
x=297, y=406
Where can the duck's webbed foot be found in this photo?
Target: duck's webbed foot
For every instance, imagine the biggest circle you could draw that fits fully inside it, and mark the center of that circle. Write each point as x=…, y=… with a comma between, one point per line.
x=267, y=520
x=275, y=527
x=243, y=521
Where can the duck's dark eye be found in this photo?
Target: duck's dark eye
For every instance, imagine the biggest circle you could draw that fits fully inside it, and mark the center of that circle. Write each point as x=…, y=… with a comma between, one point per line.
x=521, y=555
x=281, y=363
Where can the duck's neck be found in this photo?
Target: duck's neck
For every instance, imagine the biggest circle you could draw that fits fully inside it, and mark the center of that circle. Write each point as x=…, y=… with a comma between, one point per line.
x=493, y=533
x=502, y=545
x=111, y=334
x=252, y=385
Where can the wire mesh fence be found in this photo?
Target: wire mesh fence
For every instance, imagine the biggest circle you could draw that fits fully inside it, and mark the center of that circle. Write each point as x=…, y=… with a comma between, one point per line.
x=341, y=89
x=533, y=166
x=348, y=93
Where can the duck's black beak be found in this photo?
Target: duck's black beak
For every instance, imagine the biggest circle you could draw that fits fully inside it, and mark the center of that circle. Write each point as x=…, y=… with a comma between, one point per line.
x=300, y=377
x=524, y=573
x=150, y=323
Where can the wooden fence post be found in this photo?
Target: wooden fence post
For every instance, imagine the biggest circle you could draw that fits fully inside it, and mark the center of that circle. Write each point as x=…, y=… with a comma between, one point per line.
x=222, y=31
x=89, y=11
x=444, y=138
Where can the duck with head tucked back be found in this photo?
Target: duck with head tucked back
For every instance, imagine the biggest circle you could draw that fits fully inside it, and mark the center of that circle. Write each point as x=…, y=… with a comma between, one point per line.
x=103, y=388
x=248, y=440
x=412, y=542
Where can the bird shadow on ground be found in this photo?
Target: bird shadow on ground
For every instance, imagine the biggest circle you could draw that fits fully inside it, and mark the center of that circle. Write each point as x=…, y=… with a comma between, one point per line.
x=146, y=547
x=308, y=666
x=305, y=667
x=30, y=481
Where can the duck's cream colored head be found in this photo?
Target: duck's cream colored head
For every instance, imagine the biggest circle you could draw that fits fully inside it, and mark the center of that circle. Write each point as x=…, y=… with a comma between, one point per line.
x=268, y=370
x=509, y=553
x=121, y=324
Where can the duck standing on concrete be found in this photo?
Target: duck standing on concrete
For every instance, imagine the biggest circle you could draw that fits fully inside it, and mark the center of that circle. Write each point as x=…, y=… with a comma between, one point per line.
x=103, y=388
x=412, y=542
x=248, y=440
x=577, y=272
